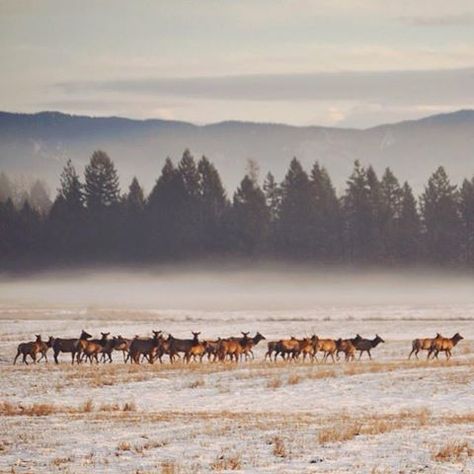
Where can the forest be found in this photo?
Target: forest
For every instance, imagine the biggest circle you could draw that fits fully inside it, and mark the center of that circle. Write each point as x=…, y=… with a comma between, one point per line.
x=188, y=216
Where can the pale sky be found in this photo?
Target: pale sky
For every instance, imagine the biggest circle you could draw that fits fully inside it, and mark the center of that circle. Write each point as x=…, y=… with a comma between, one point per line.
x=339, y=63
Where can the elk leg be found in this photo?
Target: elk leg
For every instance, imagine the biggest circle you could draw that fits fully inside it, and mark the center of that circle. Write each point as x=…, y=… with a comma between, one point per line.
x=368, y=352
x=16, y=357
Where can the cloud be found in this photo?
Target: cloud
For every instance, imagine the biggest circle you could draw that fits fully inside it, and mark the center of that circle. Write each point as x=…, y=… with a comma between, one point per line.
x=394, y=87
x=465, y=19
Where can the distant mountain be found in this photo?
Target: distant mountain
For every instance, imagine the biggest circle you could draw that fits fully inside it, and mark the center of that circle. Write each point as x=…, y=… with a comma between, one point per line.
x=39, y=144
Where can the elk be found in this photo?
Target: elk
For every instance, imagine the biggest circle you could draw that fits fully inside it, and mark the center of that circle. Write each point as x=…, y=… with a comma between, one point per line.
x=229, y=347
x=444, y=344
x=309, y=347
x=69, y=346
x=271, y=348
x=248, y=343
x=181, y=345
x=346, y=346
x=146, y=347
x=365, y=345
x=212, y=349
x=286, y=348
x=121, y=344
x=45, y=346
x=92, y=348
x=329, y=347
x=198, y=349
x=422, y=345
x=29, y=349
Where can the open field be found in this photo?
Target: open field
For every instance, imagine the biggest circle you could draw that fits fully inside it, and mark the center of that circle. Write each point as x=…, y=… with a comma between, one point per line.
x=388, y=415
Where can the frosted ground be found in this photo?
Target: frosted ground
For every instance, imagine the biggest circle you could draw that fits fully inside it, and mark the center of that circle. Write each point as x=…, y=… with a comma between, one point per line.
x=388, y=415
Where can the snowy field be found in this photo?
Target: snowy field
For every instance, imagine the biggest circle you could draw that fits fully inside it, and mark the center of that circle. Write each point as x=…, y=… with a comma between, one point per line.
x=381, y=416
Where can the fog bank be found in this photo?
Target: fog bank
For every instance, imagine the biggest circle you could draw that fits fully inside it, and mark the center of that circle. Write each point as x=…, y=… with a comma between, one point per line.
x=234, y=289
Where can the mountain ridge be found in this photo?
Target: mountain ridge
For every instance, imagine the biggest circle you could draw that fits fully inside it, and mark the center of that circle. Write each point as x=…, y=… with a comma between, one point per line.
x=39, y=144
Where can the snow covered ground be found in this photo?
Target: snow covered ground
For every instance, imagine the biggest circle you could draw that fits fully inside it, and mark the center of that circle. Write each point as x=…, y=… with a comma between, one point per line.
x=388, y=415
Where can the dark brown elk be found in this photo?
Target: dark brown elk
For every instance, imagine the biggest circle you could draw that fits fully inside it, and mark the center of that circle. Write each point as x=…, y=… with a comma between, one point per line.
x=146, y=347
x=444, y=344
x=29, y=349
x=365, y=345
x=425, y=344
x=177, y=346
x=347, y=347
x=70, y=346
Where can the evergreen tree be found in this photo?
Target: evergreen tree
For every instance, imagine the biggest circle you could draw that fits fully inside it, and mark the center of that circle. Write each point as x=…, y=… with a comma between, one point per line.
x=250, y=218
x=213, y=209
x=358, y=215
x=165, y=206
x=135, y=198
x=66, y=223
x=101, y=182
x=326, y=215
x=294, y=227
x=408, y=232
x=39, y=197
x=440, y=210
x=190, y=214
x=467, y=220
x=6, y=188
x=272, y=192
x=390, y=211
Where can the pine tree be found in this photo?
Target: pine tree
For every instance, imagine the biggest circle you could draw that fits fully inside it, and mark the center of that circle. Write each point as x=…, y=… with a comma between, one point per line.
x=440, y=210
x=390, y=210
x=164, y=213
x=39, y=197
x=213, y=209
x=272, y=192
x=135, y=198
x=408, y=232
x=358, y=215
x=326, y=215
x=250, y=218
x=6, y=188
x=294, y=227
x=467, y=220
x=101, y=182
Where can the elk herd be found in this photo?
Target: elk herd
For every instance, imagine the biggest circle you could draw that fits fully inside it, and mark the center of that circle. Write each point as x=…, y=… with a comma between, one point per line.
x=138, y=349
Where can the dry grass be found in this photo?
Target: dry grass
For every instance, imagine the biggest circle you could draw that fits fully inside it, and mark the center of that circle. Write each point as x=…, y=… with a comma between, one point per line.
x=279, y=449
x=454, y=451
x=294, y=379
x=197, y=383
x=274, y=382
x=46, y=409
x=227, y=462
x=349, y=428
x=169, y=467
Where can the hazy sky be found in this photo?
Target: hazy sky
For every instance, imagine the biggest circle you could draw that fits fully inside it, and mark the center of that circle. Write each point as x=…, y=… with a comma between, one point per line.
x=346, y=63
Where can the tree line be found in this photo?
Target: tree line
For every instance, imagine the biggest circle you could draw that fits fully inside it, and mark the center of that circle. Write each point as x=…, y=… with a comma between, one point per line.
x=188, y=215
